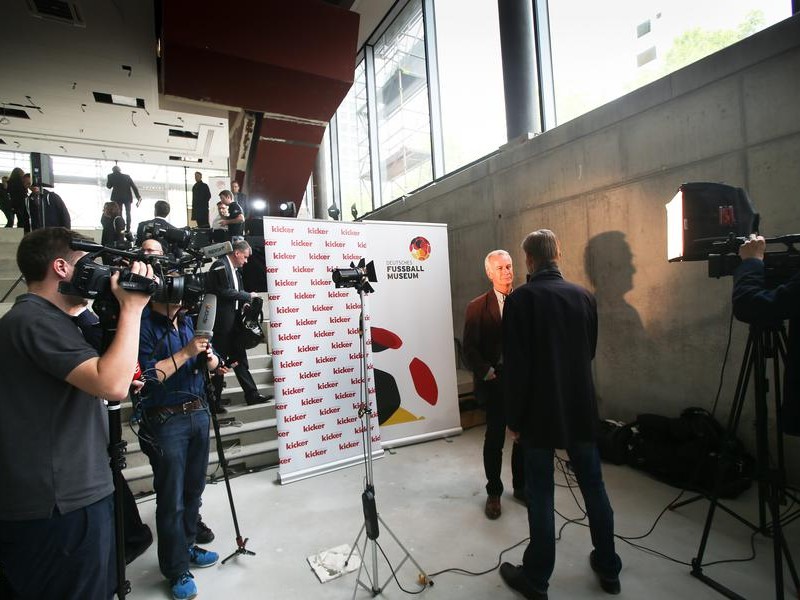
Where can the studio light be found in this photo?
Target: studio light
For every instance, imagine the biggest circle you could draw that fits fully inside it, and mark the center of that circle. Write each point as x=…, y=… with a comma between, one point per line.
x=334, y=212
x=703, y=218
x=287, y=209
x=259, y=206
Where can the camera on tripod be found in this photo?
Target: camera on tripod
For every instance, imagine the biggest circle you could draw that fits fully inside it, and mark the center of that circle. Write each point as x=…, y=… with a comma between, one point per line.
x=709, y=221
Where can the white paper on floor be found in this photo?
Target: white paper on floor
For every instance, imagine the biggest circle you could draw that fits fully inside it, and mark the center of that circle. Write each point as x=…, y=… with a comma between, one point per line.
x=329, y=564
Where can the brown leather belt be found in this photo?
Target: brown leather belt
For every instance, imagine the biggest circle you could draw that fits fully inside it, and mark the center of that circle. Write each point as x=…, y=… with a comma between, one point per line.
x=175, y=409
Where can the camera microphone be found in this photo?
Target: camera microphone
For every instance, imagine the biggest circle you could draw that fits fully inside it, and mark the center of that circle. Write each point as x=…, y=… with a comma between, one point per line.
x=206, y=317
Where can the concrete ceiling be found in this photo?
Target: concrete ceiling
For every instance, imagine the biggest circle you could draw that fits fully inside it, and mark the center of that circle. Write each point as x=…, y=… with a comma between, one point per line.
x=52, y=70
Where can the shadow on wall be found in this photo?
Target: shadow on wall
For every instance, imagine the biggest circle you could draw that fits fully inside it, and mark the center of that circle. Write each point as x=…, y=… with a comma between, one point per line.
x=625, y=352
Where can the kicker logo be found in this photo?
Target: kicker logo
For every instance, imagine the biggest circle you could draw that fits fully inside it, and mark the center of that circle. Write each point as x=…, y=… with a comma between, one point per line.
x=283, y=256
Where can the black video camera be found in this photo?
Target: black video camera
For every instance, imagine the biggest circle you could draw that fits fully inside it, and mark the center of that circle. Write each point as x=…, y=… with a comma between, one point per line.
x=179, y=281
x=177, y=240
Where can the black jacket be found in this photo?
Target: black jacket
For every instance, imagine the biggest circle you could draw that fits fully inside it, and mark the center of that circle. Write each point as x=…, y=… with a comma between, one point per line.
x=51, y=207
x=221, y=278
x=753, y=303
x=122, y=188
x=549, y=341
x=201, y=194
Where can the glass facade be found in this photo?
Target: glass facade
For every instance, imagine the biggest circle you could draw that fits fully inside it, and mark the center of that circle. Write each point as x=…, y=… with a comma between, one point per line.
x=355, y=170
x=81, y=183
x=603, y=51
x=403, y=117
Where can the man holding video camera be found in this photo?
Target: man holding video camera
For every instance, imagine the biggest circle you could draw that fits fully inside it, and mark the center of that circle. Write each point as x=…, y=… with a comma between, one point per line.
x=56, y=509
x=754, y=303
x=175, y=424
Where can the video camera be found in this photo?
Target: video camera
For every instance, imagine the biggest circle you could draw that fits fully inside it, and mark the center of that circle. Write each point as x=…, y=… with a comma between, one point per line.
x=710, y=221
x=178, y=240
x=179, y=281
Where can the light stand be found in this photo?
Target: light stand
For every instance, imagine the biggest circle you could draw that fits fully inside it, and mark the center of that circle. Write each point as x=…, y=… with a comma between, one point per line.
x=762, y=344
x=371, y=516
x=241, y=543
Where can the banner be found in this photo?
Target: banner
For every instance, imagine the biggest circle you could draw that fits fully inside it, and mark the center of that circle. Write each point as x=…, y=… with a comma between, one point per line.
x=412, y=332
x=410, y=361
x=316, y=347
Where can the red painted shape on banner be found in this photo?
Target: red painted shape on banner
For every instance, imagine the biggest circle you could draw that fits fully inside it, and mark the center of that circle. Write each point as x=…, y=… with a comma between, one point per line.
x=424, y=381
x=383, y=339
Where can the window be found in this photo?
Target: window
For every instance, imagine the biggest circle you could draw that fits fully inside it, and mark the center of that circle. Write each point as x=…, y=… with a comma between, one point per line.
x=602, y=51
x=355, y=174
x=403, y=118
x=470, y=80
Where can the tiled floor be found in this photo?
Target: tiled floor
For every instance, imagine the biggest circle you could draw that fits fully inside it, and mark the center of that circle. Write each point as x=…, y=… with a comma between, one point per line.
x=431, y=496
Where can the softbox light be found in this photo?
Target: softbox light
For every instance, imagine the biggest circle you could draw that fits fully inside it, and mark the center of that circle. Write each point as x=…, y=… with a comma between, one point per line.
x=702, y=217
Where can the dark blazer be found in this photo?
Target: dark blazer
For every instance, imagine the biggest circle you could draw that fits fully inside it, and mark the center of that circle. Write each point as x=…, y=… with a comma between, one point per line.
x=549, y=341
x=482, y=341
x=159, y=221
x=50, y=206
x=221, y=281
x=122, y=188
x=201, y=194
x=753, y=303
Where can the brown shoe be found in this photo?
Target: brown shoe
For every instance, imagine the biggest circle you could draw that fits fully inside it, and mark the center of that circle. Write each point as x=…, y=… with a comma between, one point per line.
x=492, y=509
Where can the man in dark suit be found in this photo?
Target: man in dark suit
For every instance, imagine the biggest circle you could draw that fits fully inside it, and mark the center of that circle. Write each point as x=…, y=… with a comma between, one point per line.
x=483, y=350
x=754, y=303
x=226, y=279
x=159, y=222
x=122, y=191
x=549, y=340
x=200, y=197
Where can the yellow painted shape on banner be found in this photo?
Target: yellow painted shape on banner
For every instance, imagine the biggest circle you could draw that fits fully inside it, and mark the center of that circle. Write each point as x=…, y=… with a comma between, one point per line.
x=401, y=415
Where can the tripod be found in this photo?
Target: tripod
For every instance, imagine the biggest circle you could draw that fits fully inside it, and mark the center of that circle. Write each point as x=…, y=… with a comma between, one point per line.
x=763, y=343
x=241, y=543
x=371, y=516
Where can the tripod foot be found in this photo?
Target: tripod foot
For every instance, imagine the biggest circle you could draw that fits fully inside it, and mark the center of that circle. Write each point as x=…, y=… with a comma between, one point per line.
x=241, y=549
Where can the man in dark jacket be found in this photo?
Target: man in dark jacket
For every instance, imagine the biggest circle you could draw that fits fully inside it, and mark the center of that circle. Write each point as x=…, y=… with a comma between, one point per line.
x=200, y=198
x=483, y=350
x=549, y=340
x=226, y=279
x=754, y=303
x=122, y=191
x=47, y=209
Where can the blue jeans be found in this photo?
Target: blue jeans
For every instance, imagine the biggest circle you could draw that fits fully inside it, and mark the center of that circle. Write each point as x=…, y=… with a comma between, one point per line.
x=540, y=555
x=69, y=556
x=179, y=457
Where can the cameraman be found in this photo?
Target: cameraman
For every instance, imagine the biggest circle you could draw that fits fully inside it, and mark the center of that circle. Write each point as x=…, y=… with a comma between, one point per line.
x=754, y=303
x=175, y=425
x=56, y=509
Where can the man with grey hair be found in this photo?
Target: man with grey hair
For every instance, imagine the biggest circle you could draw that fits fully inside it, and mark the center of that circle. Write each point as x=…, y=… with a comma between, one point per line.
x=483, y=353
x=549, y=340
x=227, y=284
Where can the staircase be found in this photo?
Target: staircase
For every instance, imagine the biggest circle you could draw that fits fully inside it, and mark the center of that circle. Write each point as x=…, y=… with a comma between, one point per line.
x=248, y=433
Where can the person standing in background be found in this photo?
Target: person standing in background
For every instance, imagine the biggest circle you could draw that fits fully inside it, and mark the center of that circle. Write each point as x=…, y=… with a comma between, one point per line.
x=122, y=191
x=200, y=198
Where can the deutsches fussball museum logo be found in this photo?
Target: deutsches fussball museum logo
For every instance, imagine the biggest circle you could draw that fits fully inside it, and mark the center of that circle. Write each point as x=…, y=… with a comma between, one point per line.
x=420, y=248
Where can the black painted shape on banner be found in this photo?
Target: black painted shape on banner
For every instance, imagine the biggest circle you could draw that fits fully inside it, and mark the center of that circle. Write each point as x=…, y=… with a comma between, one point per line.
x=387, y=396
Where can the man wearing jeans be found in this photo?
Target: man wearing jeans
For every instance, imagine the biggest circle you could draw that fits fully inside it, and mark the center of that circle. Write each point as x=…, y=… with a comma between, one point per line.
x=175, y=429
x=549, y=339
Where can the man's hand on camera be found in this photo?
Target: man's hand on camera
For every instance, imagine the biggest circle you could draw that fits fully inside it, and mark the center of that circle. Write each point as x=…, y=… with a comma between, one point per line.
x=753, y=248
x=132, y=300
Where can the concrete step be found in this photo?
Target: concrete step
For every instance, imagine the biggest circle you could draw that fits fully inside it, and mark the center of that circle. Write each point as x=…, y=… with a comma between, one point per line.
x=251, y=456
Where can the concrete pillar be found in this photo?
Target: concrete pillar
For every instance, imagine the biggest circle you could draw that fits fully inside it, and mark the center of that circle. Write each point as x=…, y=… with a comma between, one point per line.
x=321, y=183
x=520, y=80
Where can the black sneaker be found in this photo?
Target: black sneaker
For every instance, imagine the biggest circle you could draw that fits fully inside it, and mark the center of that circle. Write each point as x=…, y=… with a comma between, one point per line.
x=515, y=578
x=204, y=533
x=610, y=585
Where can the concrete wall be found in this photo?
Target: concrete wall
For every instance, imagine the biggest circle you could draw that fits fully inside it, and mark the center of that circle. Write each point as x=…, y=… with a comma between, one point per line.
x=601, y=182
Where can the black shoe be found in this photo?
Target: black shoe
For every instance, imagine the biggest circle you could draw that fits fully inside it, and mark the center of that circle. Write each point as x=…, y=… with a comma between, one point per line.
x=204, y=533
x=257, y=399
x=219, y=409
x=515, y=579
x=609, y=585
